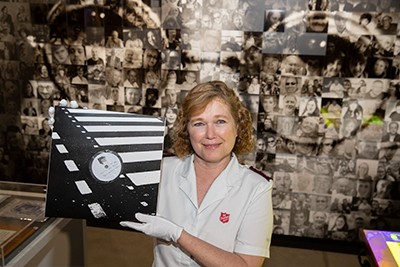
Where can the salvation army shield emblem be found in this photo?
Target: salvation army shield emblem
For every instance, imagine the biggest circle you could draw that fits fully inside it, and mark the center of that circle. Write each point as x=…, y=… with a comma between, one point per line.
x=224, y=217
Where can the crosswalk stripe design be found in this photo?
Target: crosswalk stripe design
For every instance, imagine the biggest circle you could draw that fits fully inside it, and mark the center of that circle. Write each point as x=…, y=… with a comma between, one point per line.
x=104, y=165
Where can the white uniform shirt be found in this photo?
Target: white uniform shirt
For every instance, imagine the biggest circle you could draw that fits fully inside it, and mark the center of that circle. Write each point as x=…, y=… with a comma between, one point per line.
x=235, y=214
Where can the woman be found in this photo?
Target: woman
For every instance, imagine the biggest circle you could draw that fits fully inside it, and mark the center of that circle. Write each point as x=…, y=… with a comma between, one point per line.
x=151, y=80
x=254, y=86
x=274, y=21
x=61, y=79
x=363, y=172
x=340, y=223
x=212, y=210
x=151, y=59
x=326, y=147
x=357, y=65
x=153, y=39
x=42, y=73
x=311, y=107
x=170, y=115
x=380, y=69
x=28, y=90
x=333, y=67
x=170, y=80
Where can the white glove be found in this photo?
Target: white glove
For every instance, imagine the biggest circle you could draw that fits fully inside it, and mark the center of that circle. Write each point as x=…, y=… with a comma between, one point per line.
x=155, y=226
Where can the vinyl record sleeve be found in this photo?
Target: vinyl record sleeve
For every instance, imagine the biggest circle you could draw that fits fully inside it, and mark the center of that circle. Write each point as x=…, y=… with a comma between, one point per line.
x=104, y=165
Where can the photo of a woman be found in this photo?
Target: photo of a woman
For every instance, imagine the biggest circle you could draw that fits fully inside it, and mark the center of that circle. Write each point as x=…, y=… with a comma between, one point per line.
x=170, y=115
x=311, y=107
x=274, y=21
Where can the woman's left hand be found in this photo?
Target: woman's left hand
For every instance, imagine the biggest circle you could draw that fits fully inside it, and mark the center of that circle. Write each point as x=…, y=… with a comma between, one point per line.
x=155, y=226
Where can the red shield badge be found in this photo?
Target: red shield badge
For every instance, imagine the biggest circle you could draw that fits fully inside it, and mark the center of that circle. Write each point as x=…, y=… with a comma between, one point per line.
x=224, y=217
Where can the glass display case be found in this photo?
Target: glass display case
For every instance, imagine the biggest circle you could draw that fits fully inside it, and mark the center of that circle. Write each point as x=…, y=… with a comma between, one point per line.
x=28, y=238
x=21, y=217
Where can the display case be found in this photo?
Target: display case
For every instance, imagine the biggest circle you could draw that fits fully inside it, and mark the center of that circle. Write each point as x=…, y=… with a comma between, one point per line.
x=28, y=238
x=21, y=216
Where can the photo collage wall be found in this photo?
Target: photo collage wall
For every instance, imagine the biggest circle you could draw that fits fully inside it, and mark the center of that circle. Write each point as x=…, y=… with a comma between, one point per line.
x=320, y=77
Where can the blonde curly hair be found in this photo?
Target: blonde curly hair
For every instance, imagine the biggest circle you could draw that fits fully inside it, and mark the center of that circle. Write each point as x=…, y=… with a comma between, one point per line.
x=196, y=101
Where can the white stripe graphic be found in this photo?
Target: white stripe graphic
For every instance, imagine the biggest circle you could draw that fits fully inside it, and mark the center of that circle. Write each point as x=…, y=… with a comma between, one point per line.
x=142, y=178
x=71, y=166
x=83, y=187
x=129, y=157
x=55, y=136
x=92, y=111
x=104, y=112
x=62, y=149
x=97, y=210
x=109, y=141
x=123, y=128
x=116, y=119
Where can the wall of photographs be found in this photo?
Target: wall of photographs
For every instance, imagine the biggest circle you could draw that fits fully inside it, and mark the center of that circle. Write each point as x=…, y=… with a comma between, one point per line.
x=321, y=78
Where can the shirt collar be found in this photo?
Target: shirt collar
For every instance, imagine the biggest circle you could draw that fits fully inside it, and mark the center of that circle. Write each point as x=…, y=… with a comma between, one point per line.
x=220, y=187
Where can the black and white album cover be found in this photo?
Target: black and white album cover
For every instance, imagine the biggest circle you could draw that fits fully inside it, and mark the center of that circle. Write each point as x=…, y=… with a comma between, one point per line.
x=104, y=166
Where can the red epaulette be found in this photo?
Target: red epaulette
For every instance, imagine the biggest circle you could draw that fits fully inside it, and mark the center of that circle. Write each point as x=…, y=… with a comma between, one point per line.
x=260, y=173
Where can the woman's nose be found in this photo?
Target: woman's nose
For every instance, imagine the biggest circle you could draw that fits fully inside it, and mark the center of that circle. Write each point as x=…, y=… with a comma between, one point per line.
x=210, y=131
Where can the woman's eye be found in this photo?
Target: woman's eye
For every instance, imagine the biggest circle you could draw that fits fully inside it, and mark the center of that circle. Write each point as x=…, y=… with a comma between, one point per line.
x=221, y=121
x=198, y=124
